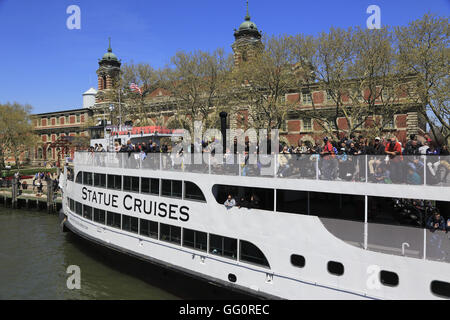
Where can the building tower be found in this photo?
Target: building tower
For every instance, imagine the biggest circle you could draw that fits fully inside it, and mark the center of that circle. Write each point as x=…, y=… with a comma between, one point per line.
x=108, y=72
x=247, y=41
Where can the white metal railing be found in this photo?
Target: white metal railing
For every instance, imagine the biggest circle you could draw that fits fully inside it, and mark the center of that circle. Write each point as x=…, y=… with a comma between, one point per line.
x=411, y=170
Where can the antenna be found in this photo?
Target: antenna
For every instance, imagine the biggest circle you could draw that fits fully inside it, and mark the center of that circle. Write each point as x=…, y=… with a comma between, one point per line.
x=247, y=17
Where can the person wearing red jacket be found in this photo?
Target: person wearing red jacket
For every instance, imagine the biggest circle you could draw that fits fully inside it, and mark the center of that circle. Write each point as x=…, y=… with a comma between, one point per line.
x=394, y=150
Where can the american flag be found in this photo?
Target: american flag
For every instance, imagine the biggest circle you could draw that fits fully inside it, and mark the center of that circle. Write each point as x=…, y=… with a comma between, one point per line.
x=135, y=88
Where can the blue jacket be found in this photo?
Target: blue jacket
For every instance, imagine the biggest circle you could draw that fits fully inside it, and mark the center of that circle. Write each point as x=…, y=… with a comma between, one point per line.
x=431, y=222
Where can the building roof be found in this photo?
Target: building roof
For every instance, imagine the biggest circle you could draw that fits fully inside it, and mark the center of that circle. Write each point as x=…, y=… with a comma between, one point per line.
x=247, y=28
x=59, y=112
x=110, y=56
x=90, y=91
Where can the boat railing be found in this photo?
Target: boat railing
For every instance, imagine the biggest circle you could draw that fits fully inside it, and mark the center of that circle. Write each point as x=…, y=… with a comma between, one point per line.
x=430, y=170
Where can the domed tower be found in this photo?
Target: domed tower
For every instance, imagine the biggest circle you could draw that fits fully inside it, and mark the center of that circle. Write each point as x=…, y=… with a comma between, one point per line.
x=247, y=41
x=108, y=71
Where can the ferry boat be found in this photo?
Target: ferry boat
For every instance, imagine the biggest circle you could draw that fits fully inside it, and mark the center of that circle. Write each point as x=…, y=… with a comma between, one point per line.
x=307, y=236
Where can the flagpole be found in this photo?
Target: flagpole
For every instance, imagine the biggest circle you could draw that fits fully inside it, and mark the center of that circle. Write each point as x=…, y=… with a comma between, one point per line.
x=120, y=111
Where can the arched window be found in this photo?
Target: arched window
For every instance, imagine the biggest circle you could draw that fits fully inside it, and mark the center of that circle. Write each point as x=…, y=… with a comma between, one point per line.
x=244, y=56
x=49, y=153
x=192, y=191
x=79, y=178
x=250, y=253
x=40, y=153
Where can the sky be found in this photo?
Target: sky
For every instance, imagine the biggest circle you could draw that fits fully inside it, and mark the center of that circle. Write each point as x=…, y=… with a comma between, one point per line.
x=47, y=65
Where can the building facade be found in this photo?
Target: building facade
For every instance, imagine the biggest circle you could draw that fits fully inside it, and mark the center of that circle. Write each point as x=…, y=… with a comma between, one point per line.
x=49, y=127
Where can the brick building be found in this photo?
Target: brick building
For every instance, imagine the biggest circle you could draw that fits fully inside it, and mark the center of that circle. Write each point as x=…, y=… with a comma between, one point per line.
x=51, y=126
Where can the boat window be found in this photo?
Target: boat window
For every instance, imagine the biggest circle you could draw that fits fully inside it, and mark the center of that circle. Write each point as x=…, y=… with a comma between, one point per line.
x=130, y=224
x=79, y=178
x=262, y=198
x=78, y=208
x=70, y=174
x=149, y=229
x=440, y=288
x=113, y=219
x=195, y=239
x=171, y=188
x=248, y=252
x=292, y=201
x=87, y=178
x=72, y=205
x=192, y=191
x=130, y=183
x=388, y=278
x=170, y=233
x=335, y=268
x=100, y=180
x=150, y=186
x=99, y=215
x=114, y=182
x=223, y=246
x=87, y=212
x=298, y=260
x=337, y=206
x=404, y=212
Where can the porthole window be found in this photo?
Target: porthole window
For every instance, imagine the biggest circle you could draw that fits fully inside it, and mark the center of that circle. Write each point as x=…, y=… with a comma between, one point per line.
x=232, y=277
x=335, y=268
x=440, y=288
x=298, y=260
x=389, y=278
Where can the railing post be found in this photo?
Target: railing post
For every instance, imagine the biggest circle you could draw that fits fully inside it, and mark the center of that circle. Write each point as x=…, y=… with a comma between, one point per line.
x=424, y=170
x=275, y=164
x=317, y=167
x=424, y=243
x=366, y=231
x=366, y=169
x=160, y=161
x=239, y=163
x=209, y=163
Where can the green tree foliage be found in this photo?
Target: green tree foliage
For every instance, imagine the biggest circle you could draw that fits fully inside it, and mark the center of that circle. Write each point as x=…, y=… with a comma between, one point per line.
x=16, y=131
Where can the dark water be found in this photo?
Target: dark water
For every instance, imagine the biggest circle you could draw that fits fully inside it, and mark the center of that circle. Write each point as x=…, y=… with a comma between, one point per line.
x=35, y=254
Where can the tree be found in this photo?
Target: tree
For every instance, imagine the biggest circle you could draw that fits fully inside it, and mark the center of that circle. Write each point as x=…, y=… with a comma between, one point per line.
x=375, y=84
x=197, y=83
x=327, y=59
x=262, y=82
x=424, y=53
x=16, y=131
x=146, y=78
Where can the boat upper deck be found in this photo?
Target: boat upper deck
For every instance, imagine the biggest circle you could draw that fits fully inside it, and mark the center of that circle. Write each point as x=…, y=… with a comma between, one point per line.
x=427, y=177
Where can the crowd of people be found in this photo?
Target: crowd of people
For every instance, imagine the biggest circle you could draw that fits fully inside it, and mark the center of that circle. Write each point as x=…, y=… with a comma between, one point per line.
x=385, y=160
x=252, y=202
x=40, y=179
x=336, y=159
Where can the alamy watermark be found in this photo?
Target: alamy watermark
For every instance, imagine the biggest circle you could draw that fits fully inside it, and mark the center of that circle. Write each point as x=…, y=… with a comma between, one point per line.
x=374, y=20
x=74, y=20
x=74, y=280
x=252, y=144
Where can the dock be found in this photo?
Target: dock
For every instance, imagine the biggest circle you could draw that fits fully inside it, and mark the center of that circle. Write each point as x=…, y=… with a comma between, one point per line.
x=13, y=197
